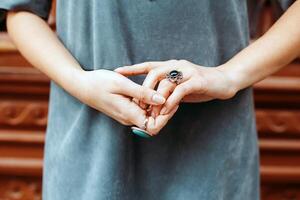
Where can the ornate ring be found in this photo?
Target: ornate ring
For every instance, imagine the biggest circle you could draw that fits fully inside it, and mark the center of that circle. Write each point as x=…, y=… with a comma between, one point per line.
x=148, y=109
x=174, y=76
x=145, y=124
x=141, y=131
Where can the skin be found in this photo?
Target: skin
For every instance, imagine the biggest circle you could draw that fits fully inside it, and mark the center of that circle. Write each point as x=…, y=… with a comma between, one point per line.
x=98, y=89
x=275, y=49
x=36, y=41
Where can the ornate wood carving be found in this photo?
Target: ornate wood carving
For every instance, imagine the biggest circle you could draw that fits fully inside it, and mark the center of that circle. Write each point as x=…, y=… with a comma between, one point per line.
x=23, y=113
x=280, y=192
x=278, y=121
x=20, y=188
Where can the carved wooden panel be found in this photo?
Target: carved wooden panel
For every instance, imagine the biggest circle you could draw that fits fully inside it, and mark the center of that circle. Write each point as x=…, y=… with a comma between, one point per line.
x=20, y=188
x=280, y=192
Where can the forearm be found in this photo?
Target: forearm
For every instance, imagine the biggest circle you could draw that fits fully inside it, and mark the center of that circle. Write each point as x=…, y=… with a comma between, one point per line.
x=41, y=47
x=279, y=46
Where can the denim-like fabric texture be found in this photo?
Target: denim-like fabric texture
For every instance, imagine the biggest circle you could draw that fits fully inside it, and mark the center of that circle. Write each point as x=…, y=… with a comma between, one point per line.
x=207, y=150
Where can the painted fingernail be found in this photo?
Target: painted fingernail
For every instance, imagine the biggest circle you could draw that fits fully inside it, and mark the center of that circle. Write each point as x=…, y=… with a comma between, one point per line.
x=163, y=111
x=157, y=98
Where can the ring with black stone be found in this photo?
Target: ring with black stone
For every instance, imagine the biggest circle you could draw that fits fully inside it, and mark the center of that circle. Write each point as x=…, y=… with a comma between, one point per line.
x=174, y=76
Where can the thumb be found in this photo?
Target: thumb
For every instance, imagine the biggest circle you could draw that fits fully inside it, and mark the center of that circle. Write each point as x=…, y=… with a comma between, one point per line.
x=142, y=93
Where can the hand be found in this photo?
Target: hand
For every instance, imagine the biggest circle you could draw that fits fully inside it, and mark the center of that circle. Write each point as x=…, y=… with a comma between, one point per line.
x=199, y=83
x=112, y=93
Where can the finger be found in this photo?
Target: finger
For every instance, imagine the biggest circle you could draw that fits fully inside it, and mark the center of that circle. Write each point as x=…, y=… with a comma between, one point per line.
x=141, y=104
x=136, y=115
x=164, y=88
x=156, y=124
x=128, y=112
x=151, y=122
x=174, y=99
x=141, y=93
x=153, y=77
x=158, y=74
x=141, y=68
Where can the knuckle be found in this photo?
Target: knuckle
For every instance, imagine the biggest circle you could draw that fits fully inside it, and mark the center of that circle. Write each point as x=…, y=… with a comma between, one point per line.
x=153, y=130
x=203, y=85
x=149, y=65
x=182, y=61
x=125, y=123
x=173, y=61
x=192, y=86
x=115, y=84
x=126, y=114
x=143, y=93
x=152, y=73
x=182, y=90
x=164, y=82
x=122, y=116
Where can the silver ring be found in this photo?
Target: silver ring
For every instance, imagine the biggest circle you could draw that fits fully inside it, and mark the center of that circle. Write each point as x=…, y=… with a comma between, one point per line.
x=174, y=76
x=145, y=124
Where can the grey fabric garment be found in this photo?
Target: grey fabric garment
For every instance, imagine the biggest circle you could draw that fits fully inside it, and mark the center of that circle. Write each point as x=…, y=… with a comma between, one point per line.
x=207, y=150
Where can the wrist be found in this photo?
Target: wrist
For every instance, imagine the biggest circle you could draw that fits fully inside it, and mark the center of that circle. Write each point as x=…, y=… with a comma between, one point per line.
x=73, y=82
x=232, y=76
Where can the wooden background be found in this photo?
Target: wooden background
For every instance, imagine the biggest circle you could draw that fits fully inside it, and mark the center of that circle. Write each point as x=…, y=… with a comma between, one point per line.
x=23, y=119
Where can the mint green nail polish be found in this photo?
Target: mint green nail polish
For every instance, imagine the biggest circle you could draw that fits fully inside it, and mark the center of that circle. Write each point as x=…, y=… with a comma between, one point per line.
x=140, y=132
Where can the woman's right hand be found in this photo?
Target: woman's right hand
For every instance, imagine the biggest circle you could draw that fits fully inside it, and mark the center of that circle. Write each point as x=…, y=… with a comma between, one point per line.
x=112, y=93
x=106, y=91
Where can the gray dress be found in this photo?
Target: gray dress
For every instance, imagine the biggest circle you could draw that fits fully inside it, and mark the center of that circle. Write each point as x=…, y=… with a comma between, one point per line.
x=207, y=150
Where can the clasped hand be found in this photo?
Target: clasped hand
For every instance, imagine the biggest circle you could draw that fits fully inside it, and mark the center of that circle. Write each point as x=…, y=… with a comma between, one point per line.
x=199, y=84
x=112, y=93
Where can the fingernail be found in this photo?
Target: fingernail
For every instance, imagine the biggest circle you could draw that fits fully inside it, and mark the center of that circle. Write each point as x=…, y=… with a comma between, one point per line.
x=163, y=110
x=157, y=98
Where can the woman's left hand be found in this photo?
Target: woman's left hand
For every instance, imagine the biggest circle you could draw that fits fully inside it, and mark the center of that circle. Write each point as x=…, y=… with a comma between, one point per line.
x=198, y=84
